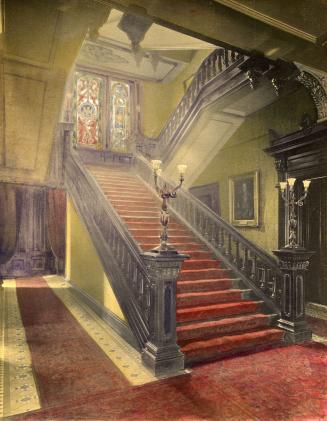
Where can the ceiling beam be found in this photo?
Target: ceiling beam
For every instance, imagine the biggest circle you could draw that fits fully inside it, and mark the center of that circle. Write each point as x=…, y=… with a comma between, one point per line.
x=221, y=25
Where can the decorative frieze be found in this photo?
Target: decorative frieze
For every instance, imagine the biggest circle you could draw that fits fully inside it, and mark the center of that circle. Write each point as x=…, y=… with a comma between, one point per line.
x=317, y=88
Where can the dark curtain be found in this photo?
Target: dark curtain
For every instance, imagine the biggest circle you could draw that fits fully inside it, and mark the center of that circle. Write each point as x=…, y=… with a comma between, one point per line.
x=10, y=210
x=56, y=222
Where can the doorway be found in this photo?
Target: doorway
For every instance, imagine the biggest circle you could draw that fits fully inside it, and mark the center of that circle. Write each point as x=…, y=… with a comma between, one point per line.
x=315, y=238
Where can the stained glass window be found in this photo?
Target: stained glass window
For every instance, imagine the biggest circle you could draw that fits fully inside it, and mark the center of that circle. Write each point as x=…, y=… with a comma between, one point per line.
x=100, y=124
x=119, y=116
x=89, y=91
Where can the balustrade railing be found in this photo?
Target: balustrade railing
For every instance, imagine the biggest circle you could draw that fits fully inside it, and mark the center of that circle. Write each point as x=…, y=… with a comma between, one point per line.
x=255, y=267
x=119, y=253
x=218, y=61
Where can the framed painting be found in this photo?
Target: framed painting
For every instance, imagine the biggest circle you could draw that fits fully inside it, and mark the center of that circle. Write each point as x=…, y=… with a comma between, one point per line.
x=209, y=195
x=244, y=199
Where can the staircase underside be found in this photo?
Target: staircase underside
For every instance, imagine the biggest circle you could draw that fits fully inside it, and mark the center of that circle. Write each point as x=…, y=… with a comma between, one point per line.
x=216, y=315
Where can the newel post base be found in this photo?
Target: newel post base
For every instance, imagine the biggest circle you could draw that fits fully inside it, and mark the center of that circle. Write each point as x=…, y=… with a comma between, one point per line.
x=161, y=353
x=294, y=263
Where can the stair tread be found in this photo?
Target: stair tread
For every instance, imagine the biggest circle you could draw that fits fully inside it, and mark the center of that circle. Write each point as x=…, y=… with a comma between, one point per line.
x=203, y=261
x=204, y=281
x=210, y=293
x=176, y=244
x=221, y=322
x=204, y=270
x=206, y=330
x=216, y=306
x=231, y=339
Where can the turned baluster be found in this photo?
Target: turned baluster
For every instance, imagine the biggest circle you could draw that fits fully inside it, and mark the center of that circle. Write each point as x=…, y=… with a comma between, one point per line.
x=237, y=253
x=212, y=233
x=217, y=235
x=220, y=61
x=214, y=65
x=264, y=276
x=228, y=251
x=245, y=260
x=273, y=287
x=230, y=60
x=207, y=70
x=222, y=239
x=210, y=64
x=205, y=223
x=200, y=82
x=200, y=219
x=134, y=279
x=226, y=61
x=254, y=269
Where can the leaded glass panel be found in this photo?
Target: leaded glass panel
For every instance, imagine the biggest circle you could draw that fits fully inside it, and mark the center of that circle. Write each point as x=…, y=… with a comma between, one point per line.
x=89, y=96
x=119, y=116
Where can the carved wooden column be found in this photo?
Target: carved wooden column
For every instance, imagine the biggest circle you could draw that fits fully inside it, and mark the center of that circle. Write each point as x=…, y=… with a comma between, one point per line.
x=162, y=354
x=294, y=263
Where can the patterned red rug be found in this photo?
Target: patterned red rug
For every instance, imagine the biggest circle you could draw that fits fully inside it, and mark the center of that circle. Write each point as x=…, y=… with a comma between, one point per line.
x=67, y=362
x=77, y=381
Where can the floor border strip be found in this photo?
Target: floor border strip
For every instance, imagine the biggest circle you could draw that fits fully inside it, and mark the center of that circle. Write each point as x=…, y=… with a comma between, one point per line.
x=122, y=354
x=20, y=394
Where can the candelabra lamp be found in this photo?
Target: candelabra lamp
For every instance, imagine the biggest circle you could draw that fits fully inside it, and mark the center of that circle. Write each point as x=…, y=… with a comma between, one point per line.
x=166, y=193
x=289, y=196
x=294, y=263
x=161, y=352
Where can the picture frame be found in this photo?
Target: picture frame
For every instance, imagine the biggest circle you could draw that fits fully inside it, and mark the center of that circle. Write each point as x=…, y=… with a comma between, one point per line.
x=209, y=195
x=244, y=199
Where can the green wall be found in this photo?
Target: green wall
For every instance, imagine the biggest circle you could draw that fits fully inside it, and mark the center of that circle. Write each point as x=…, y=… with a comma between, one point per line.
x=159, y=100
x=83, y=266
x=244, y=153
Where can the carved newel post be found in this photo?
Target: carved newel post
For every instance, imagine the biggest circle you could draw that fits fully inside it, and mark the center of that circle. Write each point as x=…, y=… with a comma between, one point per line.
x=293, y=262
x=161, y=353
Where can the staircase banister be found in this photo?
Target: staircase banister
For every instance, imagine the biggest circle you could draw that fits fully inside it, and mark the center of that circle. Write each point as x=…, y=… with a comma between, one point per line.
x=113, y=243
x=189, y=88
x=231, y=230
x=212, y=66
x=252, y=264
x=110, y=211
x=228, y=227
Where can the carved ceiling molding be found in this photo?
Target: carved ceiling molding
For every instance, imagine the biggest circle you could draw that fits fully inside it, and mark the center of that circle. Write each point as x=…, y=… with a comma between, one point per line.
x=315, y=82
x=269, y=20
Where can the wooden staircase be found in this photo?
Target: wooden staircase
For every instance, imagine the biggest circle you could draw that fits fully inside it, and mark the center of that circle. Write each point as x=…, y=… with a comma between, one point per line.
x=216, y=315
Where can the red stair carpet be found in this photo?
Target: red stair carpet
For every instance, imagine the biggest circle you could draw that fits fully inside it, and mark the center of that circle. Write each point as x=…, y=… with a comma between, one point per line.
x=216, y=316
x=67, y=363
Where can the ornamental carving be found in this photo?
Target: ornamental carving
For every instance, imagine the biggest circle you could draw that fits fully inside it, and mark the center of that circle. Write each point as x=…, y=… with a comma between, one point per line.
x=316, y=90
x=291, y=265
x=281, y=164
